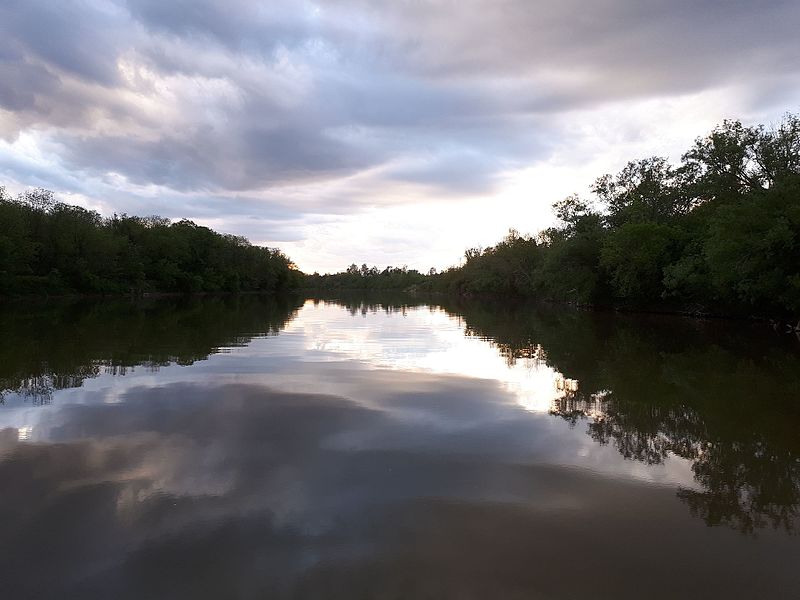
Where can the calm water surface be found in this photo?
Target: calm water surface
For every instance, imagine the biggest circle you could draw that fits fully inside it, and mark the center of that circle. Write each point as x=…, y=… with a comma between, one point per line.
x=247, y=448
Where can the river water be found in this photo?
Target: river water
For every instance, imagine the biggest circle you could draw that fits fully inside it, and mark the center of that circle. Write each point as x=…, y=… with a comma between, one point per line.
x=394, y=448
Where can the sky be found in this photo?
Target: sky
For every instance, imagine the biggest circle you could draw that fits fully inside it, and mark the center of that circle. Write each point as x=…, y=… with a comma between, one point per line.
x=389, y=133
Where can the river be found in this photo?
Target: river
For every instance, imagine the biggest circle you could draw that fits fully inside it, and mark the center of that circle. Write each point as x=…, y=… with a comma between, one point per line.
x=393, y=447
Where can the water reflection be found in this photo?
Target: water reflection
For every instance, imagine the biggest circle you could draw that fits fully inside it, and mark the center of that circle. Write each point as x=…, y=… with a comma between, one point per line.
x=55, y=345
x=394, y=449
x=725, y=396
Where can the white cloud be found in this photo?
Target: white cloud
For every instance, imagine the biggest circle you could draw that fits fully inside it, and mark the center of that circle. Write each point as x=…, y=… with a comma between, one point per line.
x=346, y=133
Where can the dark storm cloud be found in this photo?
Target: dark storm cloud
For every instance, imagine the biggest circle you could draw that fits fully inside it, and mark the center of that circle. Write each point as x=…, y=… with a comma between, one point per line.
x=233, y=23
x=80, y=38
x=23, y=82
x=212, y=160
x=646, y=39
x=223, y=96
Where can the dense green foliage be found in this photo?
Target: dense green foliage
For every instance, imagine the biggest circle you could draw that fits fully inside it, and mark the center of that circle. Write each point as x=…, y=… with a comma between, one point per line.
x=51, y=247
x=366, y=278
x=719, y=232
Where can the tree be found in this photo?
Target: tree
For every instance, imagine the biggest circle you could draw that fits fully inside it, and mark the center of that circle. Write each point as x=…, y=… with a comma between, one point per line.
x=51, y=247
x=571, y=211
x=635, y=255
x=645, y=190
x=723, y=164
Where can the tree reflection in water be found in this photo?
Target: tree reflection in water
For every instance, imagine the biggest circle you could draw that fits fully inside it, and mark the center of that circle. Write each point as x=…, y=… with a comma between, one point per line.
x=724, y=395
x=52, y=346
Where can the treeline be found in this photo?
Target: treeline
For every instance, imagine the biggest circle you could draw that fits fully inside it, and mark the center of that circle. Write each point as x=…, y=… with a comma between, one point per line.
x=718, y=232
x=366, y=278
x=55, y=248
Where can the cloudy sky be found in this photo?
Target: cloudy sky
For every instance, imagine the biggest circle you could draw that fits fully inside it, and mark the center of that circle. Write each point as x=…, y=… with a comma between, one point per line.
x=390, y=133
